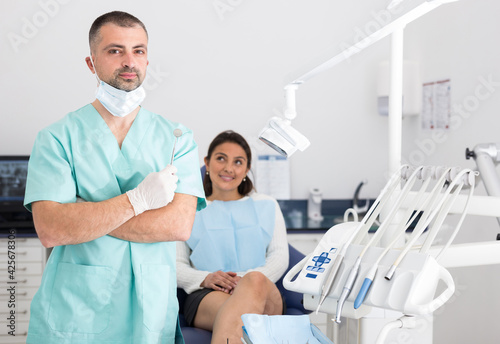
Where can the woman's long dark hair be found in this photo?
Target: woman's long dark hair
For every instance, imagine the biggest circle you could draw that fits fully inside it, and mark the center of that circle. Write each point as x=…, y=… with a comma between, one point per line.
x=229, y=136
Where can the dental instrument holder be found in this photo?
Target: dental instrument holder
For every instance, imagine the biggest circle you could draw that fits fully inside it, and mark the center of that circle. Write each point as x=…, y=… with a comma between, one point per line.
x=411, y=290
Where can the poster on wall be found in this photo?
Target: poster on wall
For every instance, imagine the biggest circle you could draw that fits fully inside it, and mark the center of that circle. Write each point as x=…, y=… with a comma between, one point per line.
x=436, y=105
x=273, y=176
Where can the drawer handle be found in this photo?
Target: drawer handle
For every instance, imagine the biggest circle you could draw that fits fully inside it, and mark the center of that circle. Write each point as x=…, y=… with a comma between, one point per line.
x=18, y=334
x=18, y=294
x=17, y=312
x=18, y=269
x=10, y=282
x=17, y=239
x=3, y=253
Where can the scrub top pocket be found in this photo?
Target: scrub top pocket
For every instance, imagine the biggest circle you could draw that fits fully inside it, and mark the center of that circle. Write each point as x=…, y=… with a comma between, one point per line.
x=80, y=300
x=156, y=281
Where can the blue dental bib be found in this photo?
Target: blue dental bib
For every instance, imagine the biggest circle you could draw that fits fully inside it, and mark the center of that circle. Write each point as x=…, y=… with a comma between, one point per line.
x=232, y=235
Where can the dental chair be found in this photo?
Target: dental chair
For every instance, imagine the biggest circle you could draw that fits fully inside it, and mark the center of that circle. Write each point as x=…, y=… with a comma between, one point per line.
x=293, y=302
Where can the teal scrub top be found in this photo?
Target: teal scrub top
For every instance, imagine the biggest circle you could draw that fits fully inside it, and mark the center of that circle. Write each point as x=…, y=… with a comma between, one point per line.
x=107, y=290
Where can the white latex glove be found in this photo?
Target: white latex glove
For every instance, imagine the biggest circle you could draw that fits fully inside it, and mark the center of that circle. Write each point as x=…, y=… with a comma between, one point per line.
x=155, y=191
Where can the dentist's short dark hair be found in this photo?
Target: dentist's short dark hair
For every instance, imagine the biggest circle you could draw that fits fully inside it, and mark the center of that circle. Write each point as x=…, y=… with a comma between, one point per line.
x=122, y=19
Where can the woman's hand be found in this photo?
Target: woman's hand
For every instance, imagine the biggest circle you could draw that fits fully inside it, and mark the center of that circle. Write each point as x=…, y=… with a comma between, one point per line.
x=236, y=279
x=222, y=281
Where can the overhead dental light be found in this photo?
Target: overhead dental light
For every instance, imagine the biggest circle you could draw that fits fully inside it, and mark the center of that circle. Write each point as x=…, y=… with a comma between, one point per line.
x=279, y=133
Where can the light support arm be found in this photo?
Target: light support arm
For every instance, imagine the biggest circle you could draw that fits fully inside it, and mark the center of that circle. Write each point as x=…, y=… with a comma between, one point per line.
x=290, y=111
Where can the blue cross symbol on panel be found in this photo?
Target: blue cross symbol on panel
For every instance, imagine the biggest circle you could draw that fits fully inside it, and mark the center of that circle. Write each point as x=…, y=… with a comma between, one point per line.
x=321, y=259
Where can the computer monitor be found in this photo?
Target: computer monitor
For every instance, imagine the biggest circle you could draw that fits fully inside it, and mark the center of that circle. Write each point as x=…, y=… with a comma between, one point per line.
x=13, y=173
x=13, y=214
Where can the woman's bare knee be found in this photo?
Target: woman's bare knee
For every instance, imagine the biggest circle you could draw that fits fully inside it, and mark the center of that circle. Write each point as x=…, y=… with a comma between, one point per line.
x=262, y=290
x=256, y=280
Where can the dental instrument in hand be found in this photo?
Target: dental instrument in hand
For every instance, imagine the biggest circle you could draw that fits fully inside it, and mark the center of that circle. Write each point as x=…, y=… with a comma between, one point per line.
x=155, y=191
x=177, y=134
x=371, y=214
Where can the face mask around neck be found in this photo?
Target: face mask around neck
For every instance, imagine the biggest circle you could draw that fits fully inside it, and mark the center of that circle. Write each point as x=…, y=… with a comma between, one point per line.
x=118, y=102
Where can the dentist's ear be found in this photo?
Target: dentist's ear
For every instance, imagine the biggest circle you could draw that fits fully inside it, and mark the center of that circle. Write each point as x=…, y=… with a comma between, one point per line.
x=88, y=60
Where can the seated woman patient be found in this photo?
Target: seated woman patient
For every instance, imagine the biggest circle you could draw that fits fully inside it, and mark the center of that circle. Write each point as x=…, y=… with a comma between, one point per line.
x=237, y=249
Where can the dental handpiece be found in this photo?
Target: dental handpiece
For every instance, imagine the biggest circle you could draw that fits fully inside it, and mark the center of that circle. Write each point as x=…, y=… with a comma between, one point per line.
x=177, y=134
x=347, y=289
x=325, y=290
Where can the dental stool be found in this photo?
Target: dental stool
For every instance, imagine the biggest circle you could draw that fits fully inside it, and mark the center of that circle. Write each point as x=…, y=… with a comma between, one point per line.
x=293, y=302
